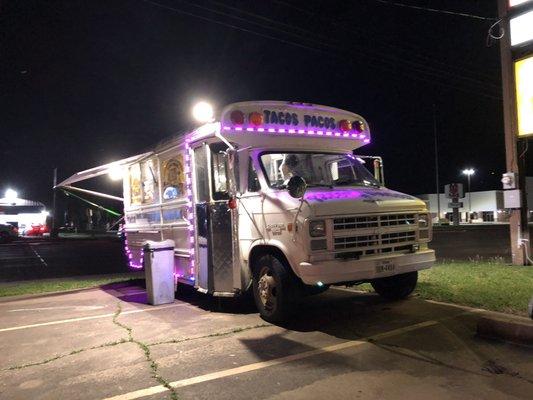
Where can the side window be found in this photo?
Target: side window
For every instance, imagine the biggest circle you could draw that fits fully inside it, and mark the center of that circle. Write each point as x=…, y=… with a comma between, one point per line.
x=253, y=181
x=202, y=174
x=220, y=176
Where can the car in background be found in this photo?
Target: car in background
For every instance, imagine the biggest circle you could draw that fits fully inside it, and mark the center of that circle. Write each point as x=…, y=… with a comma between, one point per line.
x=8, y=233
x=37, y=230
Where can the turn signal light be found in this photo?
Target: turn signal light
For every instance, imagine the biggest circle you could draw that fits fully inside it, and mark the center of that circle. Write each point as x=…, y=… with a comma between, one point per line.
x=237, y=117
x=345, y=125
x=255, y=118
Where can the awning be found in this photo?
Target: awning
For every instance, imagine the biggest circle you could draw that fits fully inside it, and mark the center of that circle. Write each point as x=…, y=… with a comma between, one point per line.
x=101, y=170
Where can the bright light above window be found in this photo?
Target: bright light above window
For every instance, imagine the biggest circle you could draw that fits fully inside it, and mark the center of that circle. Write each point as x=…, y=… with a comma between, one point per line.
x=203, y=112
x=522, y=28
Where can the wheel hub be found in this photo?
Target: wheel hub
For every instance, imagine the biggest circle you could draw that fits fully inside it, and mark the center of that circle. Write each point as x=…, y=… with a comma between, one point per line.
x=267, y=285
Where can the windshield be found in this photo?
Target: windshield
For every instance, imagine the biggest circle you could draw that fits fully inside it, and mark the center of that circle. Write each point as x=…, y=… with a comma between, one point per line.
x=318, y=169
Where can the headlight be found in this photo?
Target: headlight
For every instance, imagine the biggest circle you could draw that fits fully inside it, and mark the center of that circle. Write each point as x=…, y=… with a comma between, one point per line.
x=423, y=221
x=317, y=228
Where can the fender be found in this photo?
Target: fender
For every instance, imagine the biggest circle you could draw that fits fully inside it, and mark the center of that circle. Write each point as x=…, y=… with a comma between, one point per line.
x=275, y=243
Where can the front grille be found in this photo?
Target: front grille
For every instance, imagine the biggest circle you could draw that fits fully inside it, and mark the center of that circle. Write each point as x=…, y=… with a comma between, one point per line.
x=373, y=221
x=355, y=222
x=356, y=241
x=398, y=237
x=379, y=240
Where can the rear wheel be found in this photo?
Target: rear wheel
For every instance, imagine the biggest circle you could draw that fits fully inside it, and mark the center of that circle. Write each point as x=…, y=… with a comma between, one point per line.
x=273, y=289
x=396, y=287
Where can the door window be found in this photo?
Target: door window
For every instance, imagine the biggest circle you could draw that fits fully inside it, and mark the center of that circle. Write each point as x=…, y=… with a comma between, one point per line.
x=202, y=174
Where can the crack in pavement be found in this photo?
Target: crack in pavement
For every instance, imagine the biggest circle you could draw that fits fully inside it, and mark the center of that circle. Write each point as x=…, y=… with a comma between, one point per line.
x=154, y=367
x=58, y=357
x=216, y=334
x=145, y=347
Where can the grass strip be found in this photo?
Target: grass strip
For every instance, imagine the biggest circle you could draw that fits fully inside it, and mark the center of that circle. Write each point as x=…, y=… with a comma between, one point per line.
x=491, y=285
x=63, y=284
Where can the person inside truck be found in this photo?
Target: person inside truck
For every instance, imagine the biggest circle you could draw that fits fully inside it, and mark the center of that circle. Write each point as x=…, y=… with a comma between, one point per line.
x=291, y=166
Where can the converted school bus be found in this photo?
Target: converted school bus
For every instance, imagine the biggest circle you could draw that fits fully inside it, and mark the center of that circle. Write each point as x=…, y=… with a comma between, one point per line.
x=270, y=198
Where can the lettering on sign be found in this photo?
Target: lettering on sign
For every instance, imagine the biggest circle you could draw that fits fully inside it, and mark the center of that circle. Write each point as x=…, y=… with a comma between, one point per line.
x=292, y=119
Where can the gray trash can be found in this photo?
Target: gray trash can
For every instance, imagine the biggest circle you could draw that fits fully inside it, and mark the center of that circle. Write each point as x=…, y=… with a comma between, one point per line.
x=159, y=271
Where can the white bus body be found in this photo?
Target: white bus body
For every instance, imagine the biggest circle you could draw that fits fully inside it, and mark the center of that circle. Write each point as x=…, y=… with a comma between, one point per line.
x=220, y=193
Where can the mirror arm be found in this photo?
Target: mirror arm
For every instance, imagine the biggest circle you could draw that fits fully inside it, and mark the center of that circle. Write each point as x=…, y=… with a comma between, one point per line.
x=295, y=222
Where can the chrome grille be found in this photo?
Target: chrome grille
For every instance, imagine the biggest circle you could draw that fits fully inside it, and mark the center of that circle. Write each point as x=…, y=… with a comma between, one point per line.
x=355, y=222
x=378, y=237
x=398, y=237
x=373, y=221
x=356, y=241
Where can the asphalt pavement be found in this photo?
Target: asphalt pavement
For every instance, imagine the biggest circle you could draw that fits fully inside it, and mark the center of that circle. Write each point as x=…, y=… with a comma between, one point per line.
x=109, y=344
x=46, y=258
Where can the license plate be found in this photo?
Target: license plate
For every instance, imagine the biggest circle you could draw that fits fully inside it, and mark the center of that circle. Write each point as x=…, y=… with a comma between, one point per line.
x=384, y=266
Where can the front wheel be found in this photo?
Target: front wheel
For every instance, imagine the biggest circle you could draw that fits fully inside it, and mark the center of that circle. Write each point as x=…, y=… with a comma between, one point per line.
x=396, y=287
x=272, y=289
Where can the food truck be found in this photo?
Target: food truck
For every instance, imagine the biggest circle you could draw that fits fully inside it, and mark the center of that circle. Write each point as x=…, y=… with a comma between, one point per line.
x=269, y=198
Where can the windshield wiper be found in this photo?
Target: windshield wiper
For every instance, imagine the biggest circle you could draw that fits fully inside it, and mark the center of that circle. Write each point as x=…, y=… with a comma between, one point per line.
x=356, y=183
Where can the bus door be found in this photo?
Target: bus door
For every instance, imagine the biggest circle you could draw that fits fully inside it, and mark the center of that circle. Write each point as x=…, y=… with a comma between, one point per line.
x=215, y=221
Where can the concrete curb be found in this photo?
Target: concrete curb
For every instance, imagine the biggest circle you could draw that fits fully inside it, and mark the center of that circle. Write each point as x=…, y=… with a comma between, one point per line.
x=509, y=328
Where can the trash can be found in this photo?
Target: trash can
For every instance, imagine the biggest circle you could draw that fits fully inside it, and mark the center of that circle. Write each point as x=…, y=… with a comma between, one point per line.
x=158, y=263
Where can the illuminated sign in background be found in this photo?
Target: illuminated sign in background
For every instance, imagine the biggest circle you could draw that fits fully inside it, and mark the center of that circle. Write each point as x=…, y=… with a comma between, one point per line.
x=522, y=28
x=513, y=3
x=524, y=95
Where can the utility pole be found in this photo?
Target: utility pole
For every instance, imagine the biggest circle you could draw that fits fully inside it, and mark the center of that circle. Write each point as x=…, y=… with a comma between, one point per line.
x=54, y=208
x=436, y=161
x=518, y=221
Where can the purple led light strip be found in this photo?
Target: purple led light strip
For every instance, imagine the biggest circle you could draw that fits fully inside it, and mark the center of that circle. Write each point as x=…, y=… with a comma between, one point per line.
x=301, y=131
x=190, y=209
x=127, y=250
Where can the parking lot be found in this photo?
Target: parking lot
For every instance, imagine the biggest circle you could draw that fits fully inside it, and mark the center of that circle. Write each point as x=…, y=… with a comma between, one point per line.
x=108, y=343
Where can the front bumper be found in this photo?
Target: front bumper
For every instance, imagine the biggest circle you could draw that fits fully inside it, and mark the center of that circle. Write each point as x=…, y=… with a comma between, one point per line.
x=337, y=271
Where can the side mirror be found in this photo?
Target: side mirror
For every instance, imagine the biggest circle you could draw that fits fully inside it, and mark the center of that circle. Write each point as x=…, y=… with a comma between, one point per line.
x=297, y=187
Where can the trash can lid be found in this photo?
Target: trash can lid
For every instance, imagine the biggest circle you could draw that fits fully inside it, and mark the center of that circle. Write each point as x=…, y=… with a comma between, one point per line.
x=151, y=245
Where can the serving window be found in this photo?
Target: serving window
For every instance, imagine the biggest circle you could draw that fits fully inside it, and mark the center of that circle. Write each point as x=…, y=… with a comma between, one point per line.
x=173, y=178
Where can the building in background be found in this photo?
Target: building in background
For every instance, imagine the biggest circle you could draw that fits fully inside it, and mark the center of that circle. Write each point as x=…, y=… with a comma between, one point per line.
x=22, y=213
x=486, y=206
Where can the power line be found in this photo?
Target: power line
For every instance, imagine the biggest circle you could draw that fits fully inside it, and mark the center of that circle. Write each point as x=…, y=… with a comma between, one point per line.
x=412, y=57
x=435, y=10
x=415, y=67
x=231, y=25
x=423, y=68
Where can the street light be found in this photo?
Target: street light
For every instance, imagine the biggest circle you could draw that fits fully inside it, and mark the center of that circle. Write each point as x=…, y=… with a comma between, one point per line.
x=203, y=112
x=11, y=194
x=116, y=172
x=469, y=172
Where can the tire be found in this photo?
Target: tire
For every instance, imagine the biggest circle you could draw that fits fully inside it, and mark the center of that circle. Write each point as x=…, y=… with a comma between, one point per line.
x=273, y=289
x=396, y=287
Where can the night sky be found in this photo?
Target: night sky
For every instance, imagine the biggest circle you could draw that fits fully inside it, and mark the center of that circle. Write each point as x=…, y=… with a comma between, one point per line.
x=87, y=82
